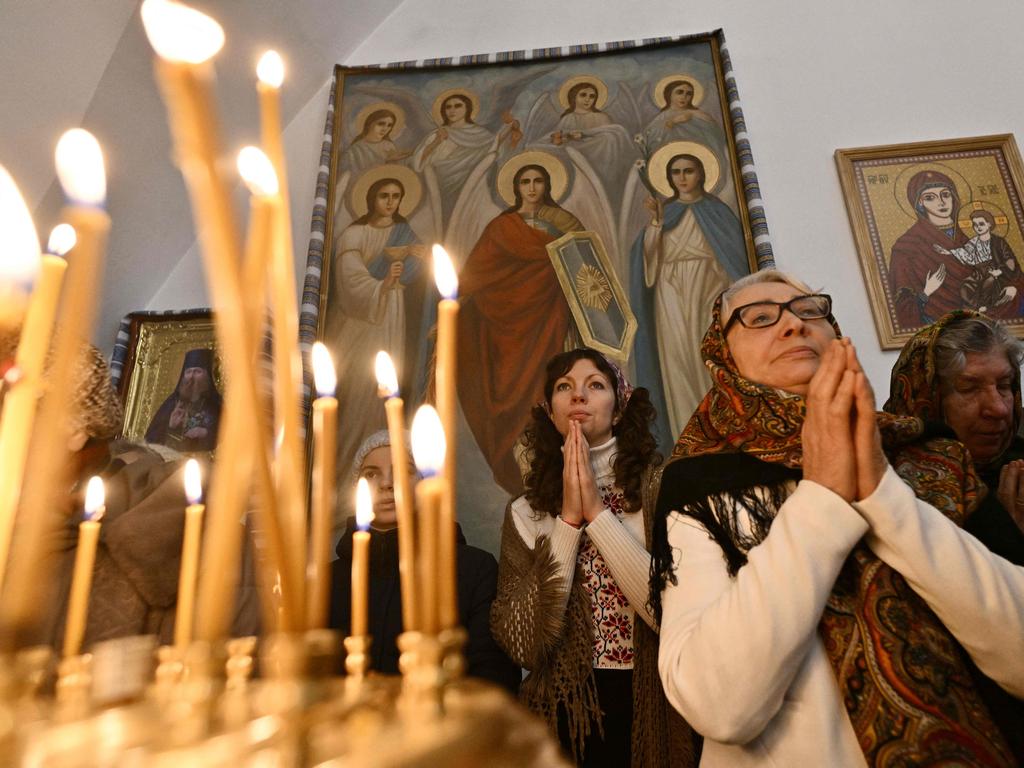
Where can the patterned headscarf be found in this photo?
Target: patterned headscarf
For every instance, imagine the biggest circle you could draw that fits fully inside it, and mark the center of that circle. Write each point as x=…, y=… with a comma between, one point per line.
x=738, y=414
x=915, y=388
x=877, y=632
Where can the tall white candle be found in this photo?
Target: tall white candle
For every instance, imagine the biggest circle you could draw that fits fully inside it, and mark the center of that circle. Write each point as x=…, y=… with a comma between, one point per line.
x=394, y=409
x=325, y=447
x=85, y=559
x=189, y=556
x=428, y=450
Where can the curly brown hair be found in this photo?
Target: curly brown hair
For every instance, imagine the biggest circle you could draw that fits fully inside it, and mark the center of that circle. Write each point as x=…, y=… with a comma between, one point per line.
x=637, y=448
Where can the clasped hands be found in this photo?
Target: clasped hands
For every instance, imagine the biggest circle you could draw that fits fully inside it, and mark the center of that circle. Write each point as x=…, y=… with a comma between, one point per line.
x=581, y=501
x=842, y=447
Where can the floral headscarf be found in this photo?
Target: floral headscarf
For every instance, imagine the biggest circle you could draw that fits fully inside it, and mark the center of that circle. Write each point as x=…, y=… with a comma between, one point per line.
x=738, y=414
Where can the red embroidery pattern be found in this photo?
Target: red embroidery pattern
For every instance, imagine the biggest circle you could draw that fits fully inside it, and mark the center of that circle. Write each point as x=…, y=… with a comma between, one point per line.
x=611, y=614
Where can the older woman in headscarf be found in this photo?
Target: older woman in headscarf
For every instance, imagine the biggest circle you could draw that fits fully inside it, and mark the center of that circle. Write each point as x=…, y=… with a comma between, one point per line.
x=964, y=372
x=819, y=603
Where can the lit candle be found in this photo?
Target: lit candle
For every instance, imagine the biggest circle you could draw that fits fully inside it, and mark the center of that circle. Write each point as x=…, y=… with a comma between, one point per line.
x=325, y=447
x=19, y=254
x=285, y=310
x=361, y=559
x=185, y=41
x=260, y=177
x=394, y=407
x=447, y=408
x=79, y=161
x=85, y=558
x=19, y=403
x=189, y=556
x=428, y=451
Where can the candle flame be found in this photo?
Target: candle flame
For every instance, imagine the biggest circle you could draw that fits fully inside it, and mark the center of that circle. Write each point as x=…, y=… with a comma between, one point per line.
x=323, y=371
x=428, y=441
x=387, y=377
x=444, y=273
x=364, y=504
x=80, y=167
x=94, y=497
x=62, y=239
x=19, y=246
x=193, y=482
x=257, y=171
x=180, y=33
x=270, y=69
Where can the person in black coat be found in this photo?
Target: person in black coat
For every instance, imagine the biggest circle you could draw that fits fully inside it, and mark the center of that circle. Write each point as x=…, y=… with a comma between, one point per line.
x=477, y=574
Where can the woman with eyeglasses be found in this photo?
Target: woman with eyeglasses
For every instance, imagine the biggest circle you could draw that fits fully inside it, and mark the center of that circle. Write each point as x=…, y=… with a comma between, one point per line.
x=818, y=602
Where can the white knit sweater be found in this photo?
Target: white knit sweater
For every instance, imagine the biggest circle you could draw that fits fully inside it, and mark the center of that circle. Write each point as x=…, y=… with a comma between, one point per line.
x=620, y=542
x=741, y=658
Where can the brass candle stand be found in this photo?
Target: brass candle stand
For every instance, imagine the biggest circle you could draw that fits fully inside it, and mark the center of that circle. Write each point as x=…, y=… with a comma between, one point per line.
x=74, y=680
x=212, y=705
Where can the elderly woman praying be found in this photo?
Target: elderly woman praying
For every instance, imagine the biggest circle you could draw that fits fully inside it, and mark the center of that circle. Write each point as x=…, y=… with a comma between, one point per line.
x=819, y=602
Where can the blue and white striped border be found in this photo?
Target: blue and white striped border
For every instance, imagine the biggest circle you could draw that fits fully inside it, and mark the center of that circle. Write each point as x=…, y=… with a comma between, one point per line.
x=310, y=309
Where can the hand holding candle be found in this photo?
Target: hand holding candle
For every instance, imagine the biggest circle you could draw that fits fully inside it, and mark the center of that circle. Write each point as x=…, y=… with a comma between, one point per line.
x=189, y=556
x=394, y=408
x=325, y=447
x=428, y=450
x=85, y=558
x=361, y=560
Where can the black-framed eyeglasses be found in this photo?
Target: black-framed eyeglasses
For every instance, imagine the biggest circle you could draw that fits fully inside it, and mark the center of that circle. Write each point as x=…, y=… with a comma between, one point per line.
x=764, y=314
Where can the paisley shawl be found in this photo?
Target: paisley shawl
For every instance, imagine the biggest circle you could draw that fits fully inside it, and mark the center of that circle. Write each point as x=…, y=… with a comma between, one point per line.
x=903, y=677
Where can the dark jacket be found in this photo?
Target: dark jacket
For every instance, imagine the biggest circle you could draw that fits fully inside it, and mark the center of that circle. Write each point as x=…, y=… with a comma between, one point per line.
x=477, y=585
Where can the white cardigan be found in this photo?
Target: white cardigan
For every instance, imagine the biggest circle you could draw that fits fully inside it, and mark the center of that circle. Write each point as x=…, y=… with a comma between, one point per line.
x=621, y=543
x=741, y=658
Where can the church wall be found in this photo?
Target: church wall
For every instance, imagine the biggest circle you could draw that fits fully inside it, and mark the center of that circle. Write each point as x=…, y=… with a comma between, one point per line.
x=812, y=76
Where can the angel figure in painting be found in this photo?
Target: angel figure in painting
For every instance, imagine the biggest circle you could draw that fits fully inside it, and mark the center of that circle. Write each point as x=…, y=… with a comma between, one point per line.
x=585, y=127
x=379, y=283
x=692, y=249
x=513, y=314
x=924, y=281
x=380, y=124
x=450, y=153
x=591, y=131
x=680, y=118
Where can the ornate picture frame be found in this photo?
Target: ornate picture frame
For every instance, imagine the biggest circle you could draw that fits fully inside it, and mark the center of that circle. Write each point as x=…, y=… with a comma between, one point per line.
x=167, y=370
x=599, y=126
x=938, y=225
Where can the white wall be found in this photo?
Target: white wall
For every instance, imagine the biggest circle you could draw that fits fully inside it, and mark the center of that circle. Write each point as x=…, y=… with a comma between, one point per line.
x=813, y=76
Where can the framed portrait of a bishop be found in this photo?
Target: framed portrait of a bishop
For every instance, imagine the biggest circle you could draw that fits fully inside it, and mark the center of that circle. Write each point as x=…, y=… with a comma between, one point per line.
x=598, y=194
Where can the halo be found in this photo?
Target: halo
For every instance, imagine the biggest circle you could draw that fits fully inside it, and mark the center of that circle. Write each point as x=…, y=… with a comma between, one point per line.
x=899, y=187
x=658, y=94
x=656, y=168
x=435, y=111
x=404, y=174
x=550, y=163
x=396, y=110
x=963, y=218
x=599, y=86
